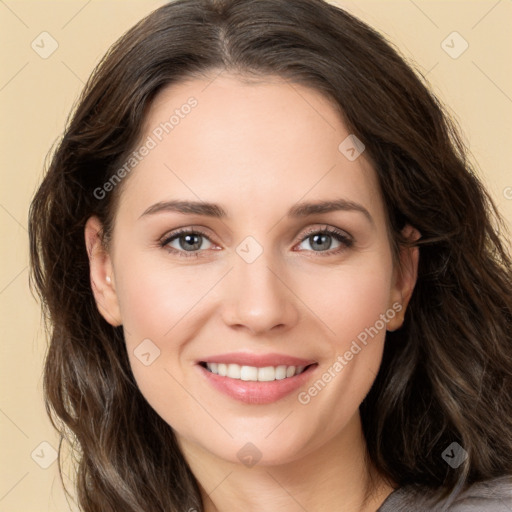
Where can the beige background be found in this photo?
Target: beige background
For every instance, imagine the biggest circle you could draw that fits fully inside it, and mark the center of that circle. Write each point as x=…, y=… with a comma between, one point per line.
x=36, y=95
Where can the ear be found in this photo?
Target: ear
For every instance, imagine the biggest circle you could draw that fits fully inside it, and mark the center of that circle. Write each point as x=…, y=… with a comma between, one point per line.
x=404, y=278
x=101, y=273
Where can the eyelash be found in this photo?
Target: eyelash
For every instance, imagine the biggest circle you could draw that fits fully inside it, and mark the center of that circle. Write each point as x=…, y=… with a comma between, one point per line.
x=338, y=235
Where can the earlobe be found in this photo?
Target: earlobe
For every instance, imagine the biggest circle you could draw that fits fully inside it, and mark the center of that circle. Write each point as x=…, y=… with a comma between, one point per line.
x=101, y=273
x=405, y=277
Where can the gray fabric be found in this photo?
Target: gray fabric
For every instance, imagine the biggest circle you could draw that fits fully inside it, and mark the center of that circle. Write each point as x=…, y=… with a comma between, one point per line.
x=491, y=495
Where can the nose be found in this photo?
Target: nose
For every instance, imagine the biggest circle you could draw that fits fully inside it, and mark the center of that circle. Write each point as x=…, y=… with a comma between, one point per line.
x=258, y=298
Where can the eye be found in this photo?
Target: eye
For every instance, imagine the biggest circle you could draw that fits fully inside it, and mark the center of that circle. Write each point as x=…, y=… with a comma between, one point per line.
x=321, y=240
x=188, y=242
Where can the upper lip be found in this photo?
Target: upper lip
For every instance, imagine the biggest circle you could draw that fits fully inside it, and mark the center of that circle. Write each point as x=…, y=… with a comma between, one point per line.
x=257, y=360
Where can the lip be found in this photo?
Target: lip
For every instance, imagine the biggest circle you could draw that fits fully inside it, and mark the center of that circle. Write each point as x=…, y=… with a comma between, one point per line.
x=257, y=360
x=257, y=393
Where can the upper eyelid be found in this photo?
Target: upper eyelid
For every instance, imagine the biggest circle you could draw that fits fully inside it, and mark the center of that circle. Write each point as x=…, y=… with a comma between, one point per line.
x=183, y=231
x=327, y=228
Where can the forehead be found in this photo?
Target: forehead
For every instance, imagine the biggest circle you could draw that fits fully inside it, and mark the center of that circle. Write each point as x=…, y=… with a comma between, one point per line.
x=251, y=146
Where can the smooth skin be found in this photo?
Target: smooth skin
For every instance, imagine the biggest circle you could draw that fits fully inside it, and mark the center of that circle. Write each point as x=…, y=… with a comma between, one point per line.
x=256, y=149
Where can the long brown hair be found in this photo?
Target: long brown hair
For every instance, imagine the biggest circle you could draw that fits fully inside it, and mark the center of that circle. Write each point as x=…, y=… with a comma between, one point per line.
x=446, y=376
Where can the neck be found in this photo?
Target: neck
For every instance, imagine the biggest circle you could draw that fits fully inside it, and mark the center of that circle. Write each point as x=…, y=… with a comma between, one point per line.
x=333, y=476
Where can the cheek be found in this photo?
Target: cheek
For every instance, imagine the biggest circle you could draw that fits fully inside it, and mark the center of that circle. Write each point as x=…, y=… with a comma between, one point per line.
x=352, y=307
x=155, y=305
x=354, y=304
x=162, y=308
x=351, y=298
x=154, y=297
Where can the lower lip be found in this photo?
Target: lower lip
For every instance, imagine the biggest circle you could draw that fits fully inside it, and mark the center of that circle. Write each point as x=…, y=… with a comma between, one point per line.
x=253, y=392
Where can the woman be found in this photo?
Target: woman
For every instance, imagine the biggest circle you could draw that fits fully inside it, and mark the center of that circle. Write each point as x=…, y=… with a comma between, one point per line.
x=272, y=279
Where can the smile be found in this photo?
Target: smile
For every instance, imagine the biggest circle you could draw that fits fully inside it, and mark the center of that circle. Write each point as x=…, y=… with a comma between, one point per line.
x=253, y=373
x=256, y=385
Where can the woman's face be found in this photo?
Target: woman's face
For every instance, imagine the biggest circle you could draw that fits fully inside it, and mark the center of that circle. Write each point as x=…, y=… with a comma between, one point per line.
x=256, y=282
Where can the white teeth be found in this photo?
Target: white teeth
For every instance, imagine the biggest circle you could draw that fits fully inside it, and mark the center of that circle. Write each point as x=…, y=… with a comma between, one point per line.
x=233, y=371
x=222, y=369
x=280, y=372
x=252, y=373
x=249, y=373
x=267, y=373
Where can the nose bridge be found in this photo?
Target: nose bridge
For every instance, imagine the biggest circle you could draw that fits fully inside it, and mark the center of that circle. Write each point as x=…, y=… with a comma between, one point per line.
x=257, y=297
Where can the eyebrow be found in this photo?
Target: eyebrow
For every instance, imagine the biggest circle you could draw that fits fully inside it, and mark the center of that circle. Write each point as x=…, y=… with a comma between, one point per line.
x=214, y=210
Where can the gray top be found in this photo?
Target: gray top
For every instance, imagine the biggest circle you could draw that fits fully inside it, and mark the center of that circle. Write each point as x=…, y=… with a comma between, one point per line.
x=493, y=495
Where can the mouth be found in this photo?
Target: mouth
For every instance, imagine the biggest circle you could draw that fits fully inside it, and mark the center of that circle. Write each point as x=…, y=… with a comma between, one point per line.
x=256, y=385
x=255, y=373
